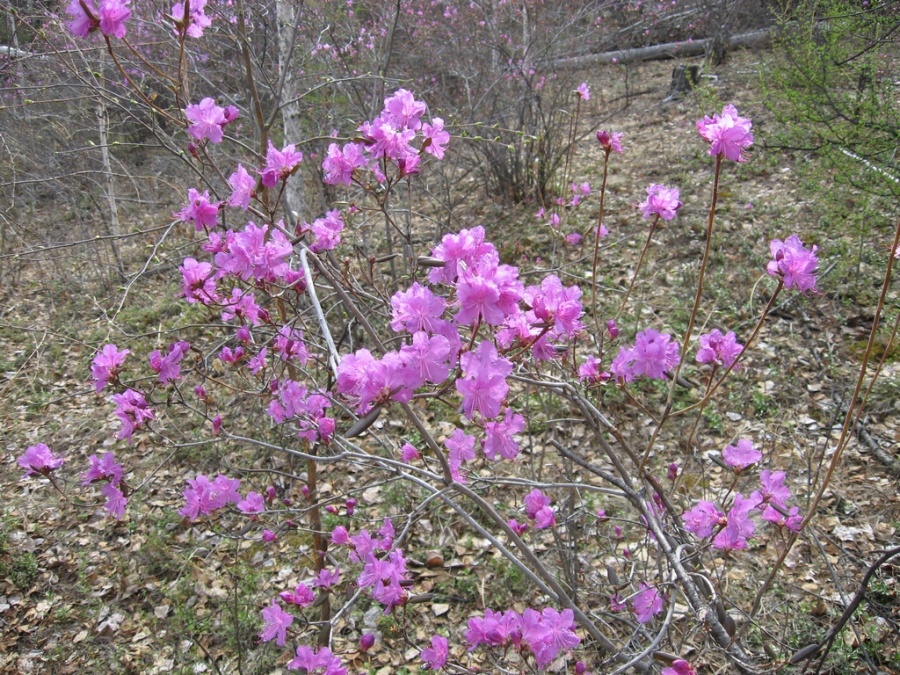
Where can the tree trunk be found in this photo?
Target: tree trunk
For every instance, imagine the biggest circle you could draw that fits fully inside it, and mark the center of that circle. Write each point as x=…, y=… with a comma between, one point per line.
x=288, y=12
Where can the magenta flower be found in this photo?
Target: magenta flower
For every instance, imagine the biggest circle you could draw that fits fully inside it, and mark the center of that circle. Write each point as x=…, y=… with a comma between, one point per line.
x=206, y=120
x=584, y=91
x=327, y=578
x=251, y=504
x=774, y=490
x=321, y=662
x=703, y=519
x=403, y=110
x=792, y=521
x=661, y=201
x=458, y=252
x=115, y=500
x=198, y=282
x=534, y=502
x=203, y=213
x=169, y=366
x=416, y=309
x=408, y=453
x=653, y=355
x=84, y=17
x=276, y=621
x=280, y=164
x=610, y=142
x=302, y=596
x=462, y=449
x=242, y=188
x=340, y=163
x=793, y=264
x=679, y=667
x=435, y=656
x=39, y=459
x=483, y=386
x=646, y=603
x=739, y=528
x=197, y=21
x=719, y=349
x=728, y=134
x=105, y=468
x=203, y=496
x=326, y=231
x=133, y=411
x=742, y=455
x=113, y=15
x=436, y=138
x=106, y=365
x=498, y=436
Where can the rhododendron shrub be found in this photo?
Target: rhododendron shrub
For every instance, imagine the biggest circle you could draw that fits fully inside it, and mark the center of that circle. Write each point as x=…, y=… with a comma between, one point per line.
x=316, y=363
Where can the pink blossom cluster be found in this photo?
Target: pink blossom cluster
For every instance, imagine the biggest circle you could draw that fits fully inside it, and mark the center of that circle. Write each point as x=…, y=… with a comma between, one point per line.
x=718, y=349
x=133, y=412
x=207, y=121
x=291, y=402
x=734, y=530
x=196, y=21
x=794, y=264
x=203, y=496
x=542, y=634
x=661, y=201
x=107, y=365
x=384, y=575
x=169, y=366
x=653, y=355
x=109, y=18
x=727, y=133
x=537, y=508
x=107, y=469
x=391, y=137
x=39, y=459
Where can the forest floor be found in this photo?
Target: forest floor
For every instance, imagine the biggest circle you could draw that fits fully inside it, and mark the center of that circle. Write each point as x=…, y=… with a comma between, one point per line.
x=83, y=593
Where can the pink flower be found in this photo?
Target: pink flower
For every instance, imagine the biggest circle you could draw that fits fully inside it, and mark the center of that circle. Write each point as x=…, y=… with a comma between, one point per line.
x=321, y=662
x=113, y=15
x=661, y=201
x=774, y=490
x=679, y=667
x=133, y=411
x=196, y=22
x=728, y=133
x=416, y=309
x=302, y=596
x=203, y=496
x=498, y=436
x=280, y=164
x=793, y=264
x=403, y=110
x=204, y=213
x=483, y=384
x=39, y=459
x=339, y=164
x=408, y=453
x=84, y=17
x=277, y=621
x=242, y=186
x=584, y=91
x=169, y=366
x=199, y=283
x=646, y=603
x=327, y=578
x=742, y=455
x=653, y=355
x=719, y=349
x=436, y=138
x=703, y=519
x=106, y=468
x=436, y=655
x=610, y=142
x=106, y=365
x=739, y=528
x=206, y=120
x=115, y=500
x=251, y=504
x=462, y=449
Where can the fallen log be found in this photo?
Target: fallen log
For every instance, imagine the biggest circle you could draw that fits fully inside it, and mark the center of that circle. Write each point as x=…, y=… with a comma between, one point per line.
x=668, y=50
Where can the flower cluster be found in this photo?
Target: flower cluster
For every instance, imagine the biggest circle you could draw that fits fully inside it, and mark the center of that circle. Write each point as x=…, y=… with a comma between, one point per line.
x=110, y=18
x=795, y=265
x=39, y=460
x=207, y=120
x=203, y=496
x=543, y=634
x=727, y=133
x=661, y=201
x=718, y=349
x=107, y=469
x=653, y=355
